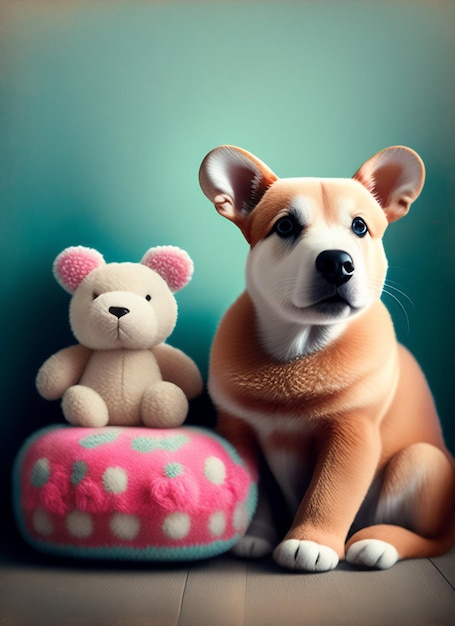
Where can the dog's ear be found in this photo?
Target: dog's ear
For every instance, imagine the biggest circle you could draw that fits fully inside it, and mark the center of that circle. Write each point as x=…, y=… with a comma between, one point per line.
x=395, y=177
x=235, y=181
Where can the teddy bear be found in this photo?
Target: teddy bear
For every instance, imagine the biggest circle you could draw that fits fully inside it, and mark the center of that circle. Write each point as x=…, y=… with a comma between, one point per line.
x=122, y=373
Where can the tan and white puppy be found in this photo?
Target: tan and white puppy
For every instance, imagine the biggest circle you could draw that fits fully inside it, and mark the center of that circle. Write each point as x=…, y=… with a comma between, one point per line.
x=305, y=366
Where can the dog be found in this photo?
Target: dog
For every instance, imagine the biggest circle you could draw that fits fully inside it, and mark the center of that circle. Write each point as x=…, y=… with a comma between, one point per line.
x=305, y=368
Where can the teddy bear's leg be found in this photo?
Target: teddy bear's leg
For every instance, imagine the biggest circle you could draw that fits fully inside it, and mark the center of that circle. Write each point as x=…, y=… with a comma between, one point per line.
x=83, y=406
x=164, y=406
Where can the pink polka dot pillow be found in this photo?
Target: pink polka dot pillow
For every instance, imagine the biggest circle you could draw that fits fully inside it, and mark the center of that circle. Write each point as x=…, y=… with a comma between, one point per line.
x=132, y=493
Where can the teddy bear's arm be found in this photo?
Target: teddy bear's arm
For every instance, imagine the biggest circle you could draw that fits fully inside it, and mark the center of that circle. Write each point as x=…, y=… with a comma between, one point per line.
x=62, y=370
x=178, y=368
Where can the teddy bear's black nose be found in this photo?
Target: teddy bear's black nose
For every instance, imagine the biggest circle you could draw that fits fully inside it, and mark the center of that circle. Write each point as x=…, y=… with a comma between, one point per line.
x=118, y=311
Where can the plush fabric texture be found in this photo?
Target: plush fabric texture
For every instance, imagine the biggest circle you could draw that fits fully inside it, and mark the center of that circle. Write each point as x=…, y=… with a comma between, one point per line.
x=122, y=372
x=132, y=493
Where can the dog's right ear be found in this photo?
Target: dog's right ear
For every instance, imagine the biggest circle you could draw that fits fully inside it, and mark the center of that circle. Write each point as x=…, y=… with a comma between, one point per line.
x=235, y=181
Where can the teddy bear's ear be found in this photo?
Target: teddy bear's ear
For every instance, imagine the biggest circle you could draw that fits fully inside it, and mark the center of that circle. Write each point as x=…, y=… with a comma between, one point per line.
x=173, y=264
x=74, y=264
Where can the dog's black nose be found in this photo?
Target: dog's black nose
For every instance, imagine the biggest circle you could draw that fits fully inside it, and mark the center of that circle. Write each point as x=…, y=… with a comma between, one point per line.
x=336, y=266
x=118, y=311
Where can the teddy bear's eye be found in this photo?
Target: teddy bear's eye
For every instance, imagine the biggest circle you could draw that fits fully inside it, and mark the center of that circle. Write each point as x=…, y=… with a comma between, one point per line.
x=148, y=297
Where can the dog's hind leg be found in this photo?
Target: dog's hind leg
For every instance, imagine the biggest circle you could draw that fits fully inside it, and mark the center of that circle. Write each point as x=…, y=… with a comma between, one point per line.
x=413, y=511
x=260, y=538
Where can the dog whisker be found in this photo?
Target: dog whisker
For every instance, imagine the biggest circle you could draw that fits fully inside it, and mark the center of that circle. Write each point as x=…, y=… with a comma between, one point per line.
x=387, y=291
x=396, y=287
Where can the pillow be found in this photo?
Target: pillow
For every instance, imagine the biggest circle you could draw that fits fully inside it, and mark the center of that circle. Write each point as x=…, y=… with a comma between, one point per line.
x=132, y=493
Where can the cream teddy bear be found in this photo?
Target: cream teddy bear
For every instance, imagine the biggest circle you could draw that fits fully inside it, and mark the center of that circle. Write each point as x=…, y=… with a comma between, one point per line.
x=122, y=372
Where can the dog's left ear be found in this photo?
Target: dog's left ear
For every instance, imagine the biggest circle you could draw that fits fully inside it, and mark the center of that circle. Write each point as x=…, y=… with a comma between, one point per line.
x=235, y=181
x=395, y=177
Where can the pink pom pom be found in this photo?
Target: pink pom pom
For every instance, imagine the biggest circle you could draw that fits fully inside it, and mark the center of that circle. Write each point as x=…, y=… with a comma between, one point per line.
x=55, y=494
x=74, y=264
x=173, y=264
x=90, y=497
x=176, y=493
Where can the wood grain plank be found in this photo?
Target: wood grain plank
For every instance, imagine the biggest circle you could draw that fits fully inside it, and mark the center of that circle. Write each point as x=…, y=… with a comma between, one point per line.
x=215, y=594
x=411, y=593
x=35, y=596
x=446, y=565
x=227, y=592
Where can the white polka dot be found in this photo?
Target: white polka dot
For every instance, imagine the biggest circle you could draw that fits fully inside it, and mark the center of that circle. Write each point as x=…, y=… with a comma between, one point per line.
x=241, y=518
x=177, y=525
x=42, y=522
x=217, y=523
x=215, y=470
x=124, y=526
x=79, y=524
x=115, y=480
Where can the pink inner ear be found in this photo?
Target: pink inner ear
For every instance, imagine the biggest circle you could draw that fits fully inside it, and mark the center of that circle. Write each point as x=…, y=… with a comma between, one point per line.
x=74, y=264
x=172, y=264
x=395, y=177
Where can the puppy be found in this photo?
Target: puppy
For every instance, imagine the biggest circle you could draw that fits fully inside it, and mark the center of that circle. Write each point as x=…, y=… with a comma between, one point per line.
x=306, y=368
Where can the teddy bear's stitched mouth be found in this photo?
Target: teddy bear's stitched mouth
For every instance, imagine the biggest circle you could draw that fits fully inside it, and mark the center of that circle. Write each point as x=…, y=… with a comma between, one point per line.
x=121, y=333
x=124, y=339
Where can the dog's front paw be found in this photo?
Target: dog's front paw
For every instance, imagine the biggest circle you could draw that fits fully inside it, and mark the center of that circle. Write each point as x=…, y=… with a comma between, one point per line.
x=305, y=556
x=252, y=547
x=372, y=553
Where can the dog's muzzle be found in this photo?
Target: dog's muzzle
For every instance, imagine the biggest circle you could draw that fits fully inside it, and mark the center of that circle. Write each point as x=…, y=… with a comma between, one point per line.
x=336, y=266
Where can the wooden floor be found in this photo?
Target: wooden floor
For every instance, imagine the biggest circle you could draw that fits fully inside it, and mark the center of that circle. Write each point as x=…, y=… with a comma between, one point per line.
x=225, y=592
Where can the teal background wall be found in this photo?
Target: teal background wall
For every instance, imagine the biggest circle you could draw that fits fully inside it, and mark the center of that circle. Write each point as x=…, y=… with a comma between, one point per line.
x=107, y=109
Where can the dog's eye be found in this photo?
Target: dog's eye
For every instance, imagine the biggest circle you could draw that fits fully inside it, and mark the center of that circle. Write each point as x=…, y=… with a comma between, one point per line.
x=359, y=227
x=287, y=226
x=148, y=297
